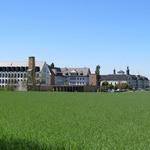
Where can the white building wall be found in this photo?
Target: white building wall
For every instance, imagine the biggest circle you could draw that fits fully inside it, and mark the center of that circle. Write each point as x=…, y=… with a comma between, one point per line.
x=77, y=80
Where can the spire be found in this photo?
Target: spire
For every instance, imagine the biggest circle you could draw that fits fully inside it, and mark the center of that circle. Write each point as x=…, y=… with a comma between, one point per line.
x=114, y=71
x=128, y=71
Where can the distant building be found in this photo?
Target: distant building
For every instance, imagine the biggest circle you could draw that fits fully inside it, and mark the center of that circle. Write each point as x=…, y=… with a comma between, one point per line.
x=27, y=72
x=133, y=81
x=39, y=75
x=70, y=76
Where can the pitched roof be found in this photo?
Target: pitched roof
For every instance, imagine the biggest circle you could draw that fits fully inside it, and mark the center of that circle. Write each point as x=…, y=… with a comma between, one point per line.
x=116, y=77
x=56, y=71
x=123, y=77
x=81, y=71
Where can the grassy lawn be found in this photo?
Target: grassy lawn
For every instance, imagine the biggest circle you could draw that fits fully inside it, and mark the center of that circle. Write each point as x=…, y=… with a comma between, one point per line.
x=72, y=121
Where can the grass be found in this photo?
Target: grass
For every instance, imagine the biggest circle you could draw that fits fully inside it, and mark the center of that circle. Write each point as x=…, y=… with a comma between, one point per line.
x=74, y=121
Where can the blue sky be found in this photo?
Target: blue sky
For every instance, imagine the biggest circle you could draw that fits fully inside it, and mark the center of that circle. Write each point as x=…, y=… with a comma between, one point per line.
x=112, y=33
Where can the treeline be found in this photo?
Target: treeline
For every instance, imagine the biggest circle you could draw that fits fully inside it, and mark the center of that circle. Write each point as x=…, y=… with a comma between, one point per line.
x=120, y=86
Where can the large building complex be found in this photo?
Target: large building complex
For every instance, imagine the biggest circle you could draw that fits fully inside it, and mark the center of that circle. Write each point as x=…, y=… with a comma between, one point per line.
x=40, y=75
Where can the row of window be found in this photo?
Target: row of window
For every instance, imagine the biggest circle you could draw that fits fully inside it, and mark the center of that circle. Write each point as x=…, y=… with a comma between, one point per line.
x=77, y=83
x=74, y=78
x=74, y=74
x=10, y=81
x=11, y=75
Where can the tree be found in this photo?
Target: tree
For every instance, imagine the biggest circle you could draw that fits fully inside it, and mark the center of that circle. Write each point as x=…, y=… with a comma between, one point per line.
x=97, y=72
x=105, y=83
x=122, y=86
x=104, y=87
x=52, y=65
x=110, y=86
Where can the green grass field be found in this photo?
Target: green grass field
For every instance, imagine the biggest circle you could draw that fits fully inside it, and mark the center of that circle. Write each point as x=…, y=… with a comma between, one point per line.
x=74, y=121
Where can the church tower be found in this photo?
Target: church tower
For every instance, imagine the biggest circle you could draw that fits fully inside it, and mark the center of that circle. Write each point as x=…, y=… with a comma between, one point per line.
x=114, y=71
x=128, y=71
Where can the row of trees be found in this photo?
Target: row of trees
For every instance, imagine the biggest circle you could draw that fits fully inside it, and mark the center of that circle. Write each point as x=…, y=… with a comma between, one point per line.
x=121, y=86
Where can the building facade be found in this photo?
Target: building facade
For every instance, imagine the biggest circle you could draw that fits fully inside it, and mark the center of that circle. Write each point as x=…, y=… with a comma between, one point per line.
x=70, y=76
x=133, y=81
x=28, y=72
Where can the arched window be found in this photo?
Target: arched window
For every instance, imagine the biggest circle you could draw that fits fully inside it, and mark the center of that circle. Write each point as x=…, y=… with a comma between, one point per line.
x=9, y=81
x=18, y=75
x=15, y=81
x=3, y=81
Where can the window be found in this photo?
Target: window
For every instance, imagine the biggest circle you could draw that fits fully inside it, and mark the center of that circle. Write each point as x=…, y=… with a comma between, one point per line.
x=12, y=81
x=18, y=75
x=37, y=75
x=72, y=78
x=25, y=75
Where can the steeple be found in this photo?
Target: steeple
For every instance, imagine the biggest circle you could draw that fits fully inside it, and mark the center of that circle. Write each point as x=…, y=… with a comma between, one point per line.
x=128, y=71
x=114, y=71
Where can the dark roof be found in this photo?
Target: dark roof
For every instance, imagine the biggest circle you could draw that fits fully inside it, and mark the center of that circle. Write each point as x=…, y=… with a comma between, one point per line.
x=116, y=77
x=56, y=71
x=17, y=69
x=142, y=77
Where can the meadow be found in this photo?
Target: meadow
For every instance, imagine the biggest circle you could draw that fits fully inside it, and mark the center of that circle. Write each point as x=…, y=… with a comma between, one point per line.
x=74, y=121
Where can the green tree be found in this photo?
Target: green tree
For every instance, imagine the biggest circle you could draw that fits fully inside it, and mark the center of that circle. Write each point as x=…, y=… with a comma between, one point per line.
x=97, y=72
x=104, y=87
x=110, y=86
x=122, y=86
